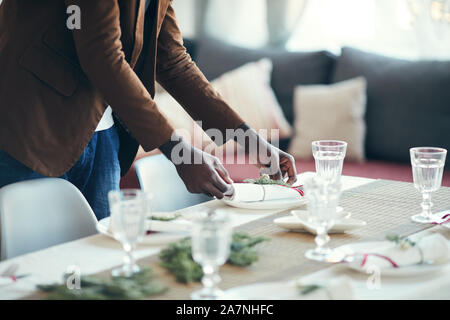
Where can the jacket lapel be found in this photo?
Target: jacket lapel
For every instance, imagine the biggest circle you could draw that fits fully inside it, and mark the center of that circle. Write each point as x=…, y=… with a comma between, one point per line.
x=138, y=32
x=162, y=8
x=157, y=17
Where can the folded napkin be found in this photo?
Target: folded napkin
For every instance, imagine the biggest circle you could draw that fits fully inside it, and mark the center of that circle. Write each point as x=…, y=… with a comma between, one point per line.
x=8, y=275
x=7, y=280
x=336, y=289
x=433, y=248
x=249, y=192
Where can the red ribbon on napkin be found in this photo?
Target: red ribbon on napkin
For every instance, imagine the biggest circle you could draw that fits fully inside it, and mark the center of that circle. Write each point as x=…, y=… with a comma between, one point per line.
x=448, y=220
x=366, y=255
x=299, y=189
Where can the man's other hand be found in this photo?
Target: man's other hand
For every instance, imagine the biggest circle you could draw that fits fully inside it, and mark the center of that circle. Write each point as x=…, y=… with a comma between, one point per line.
x=200, y=171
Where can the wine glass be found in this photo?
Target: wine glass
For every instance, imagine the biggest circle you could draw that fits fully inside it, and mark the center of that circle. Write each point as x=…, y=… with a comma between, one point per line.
x=211, y=241
x=329, y=158
x=322, y=197
x=427, y=167
x=129, y=208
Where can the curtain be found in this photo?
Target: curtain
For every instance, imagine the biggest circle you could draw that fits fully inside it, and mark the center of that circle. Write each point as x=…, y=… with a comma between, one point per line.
x=282, y=18
x=253, y=23
x=400, y=28
x=430, y=22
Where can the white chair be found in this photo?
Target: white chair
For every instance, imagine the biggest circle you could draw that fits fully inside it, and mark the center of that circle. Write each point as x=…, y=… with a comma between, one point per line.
x=37, y=214
x=158, y=175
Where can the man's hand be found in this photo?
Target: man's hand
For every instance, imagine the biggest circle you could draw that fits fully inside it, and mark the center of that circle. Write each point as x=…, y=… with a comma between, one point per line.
x=280, y=165
x=200, y=171
x=272, y=161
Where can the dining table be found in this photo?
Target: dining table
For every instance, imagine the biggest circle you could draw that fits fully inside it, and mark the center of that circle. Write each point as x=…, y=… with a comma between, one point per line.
x=385, y=211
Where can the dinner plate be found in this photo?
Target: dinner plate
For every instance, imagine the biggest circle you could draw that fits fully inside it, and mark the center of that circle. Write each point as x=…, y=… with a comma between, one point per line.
x=265, y=291
x=266, y=205
x=177, y=225
x=299, y=223
x=149, y=239
x=407, y=271
x=340, y=288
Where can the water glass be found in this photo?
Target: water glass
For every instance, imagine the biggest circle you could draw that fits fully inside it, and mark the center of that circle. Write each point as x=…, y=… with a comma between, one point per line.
x=129, y=208
x=211, y=241
x=322, y=196
x=329, y=157
x=427, y=167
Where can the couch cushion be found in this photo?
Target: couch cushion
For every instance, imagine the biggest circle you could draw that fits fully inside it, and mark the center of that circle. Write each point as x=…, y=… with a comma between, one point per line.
x=330, y=112
x=408, y=102
x=369, y=169
x=191, y=47
x=289, y=68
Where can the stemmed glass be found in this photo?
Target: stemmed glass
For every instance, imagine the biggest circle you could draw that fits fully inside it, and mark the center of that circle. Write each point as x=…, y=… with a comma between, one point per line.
x=129, y=208
x=322, y=197
x=329, y=157
x=211, y=241
x=427, y=167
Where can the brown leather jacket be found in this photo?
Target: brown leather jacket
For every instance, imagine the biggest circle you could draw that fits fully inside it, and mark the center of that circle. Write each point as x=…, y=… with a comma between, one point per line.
x=55, y=83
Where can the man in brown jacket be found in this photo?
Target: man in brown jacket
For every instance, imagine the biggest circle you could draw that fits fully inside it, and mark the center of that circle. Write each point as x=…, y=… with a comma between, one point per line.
x=77, y=102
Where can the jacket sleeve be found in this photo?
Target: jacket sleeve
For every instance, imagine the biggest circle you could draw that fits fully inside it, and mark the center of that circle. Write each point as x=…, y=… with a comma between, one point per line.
x=102, y=59
x=180, y=76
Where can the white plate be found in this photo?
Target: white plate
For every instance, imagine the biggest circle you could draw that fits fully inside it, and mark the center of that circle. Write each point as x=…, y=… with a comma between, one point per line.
x=299, y=223
x=408, y=271
x=265, y=291
x=151, y=239
x=266, y=205
x=177, y=225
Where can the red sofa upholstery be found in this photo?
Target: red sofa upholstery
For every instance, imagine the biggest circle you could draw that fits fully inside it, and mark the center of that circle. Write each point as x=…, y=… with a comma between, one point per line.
x=370, y=169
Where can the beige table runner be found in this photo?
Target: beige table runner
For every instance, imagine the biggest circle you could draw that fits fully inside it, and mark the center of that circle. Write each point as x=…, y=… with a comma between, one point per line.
x=385, y=205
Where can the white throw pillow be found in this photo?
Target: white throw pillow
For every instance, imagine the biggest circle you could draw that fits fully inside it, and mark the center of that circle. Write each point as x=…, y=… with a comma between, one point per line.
x=330, y=112
x=247, y=90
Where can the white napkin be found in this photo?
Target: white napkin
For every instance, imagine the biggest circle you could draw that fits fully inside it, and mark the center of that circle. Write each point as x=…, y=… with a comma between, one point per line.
x=249, y=192
x=433, y=248
x=6, y=281
x=336, y=289
x=7, y=276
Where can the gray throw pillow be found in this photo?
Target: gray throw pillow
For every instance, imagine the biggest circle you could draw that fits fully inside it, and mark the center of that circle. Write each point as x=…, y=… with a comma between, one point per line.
x=408, y=102
x=290, y=69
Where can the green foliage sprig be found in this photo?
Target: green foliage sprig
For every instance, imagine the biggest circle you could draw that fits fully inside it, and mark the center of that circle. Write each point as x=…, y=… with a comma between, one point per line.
x=307, y=289
x=177, y=257
x=265, y=179
x=138, y=286
x=403, y=242
x=165, y=217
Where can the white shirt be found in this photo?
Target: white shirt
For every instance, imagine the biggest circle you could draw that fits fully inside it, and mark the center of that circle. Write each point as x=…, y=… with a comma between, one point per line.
x=107, y=120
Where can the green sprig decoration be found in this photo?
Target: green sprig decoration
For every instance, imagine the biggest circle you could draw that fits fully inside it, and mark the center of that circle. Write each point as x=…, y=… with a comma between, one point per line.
x=265, y=179
x=138, y=286
x=403, y=242
x=177, y=257
x=307, y=289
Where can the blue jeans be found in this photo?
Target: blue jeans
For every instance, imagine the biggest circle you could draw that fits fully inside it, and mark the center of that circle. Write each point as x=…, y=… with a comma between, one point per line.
x=95, y=173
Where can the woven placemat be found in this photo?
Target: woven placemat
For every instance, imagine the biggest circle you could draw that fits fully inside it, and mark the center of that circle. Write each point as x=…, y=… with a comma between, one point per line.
x=385, y=205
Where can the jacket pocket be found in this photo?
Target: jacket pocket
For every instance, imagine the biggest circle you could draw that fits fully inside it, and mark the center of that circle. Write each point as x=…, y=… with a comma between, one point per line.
x=51, y=68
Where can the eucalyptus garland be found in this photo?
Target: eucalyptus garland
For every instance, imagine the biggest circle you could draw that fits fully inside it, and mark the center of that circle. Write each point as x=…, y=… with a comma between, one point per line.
x=177, y=257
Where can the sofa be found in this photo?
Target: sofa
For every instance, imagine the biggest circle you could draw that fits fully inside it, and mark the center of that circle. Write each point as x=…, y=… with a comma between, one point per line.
x=408, y=102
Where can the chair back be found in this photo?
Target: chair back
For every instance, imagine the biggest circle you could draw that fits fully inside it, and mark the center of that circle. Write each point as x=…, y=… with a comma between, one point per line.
x=157, y=175
x=37, y=214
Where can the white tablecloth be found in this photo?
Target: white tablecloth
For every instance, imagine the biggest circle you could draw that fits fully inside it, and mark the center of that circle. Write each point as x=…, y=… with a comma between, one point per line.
x=97, y=253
